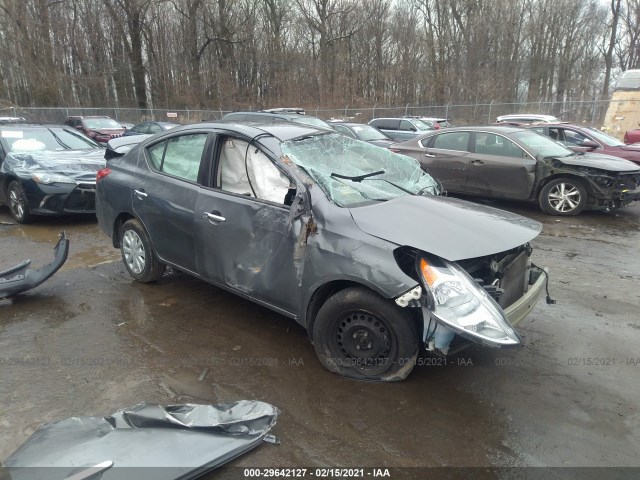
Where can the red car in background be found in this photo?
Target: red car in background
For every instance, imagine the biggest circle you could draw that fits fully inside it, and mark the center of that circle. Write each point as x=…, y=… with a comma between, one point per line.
x=98, y=128
x=632, y=136
x=587, y=139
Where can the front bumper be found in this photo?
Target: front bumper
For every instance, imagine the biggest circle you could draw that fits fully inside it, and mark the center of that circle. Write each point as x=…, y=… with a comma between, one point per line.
x=57, y=199
x=518, y=310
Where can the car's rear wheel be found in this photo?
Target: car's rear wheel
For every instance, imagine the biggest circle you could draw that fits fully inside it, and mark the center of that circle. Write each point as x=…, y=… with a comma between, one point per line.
x=563, y=196
x=361, y=335
x=18, y=203
x=137, y=253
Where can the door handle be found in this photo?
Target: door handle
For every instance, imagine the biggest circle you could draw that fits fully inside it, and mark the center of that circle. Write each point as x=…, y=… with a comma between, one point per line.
x=140, y=194
x=477, y=162
x=429, y=155
x=214, y=218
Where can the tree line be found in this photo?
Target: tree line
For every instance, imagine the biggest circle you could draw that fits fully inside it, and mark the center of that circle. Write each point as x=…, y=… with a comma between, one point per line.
x=233, y=54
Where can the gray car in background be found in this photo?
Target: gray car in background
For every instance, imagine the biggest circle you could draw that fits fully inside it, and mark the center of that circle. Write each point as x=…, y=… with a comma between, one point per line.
x=401, y=129
x=350, y=240
x=364, y=132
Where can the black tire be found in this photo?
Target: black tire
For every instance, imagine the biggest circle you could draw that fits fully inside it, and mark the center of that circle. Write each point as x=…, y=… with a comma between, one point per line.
x=137, y=253
x=563, y=196
x=18, y=202
x=386, y=336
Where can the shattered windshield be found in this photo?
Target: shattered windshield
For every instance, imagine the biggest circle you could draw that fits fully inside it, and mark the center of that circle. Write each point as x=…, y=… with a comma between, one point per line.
x=354, y=173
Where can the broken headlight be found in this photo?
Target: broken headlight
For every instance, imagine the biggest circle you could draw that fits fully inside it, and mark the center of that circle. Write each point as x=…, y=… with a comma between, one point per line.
x=464, y=306
x=48, y=178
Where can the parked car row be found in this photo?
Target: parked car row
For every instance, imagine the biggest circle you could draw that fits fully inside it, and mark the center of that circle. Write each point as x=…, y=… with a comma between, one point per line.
x=475, y=161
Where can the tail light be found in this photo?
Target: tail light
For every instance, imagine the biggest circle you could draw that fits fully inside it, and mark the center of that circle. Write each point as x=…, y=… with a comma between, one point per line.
x=102, y=173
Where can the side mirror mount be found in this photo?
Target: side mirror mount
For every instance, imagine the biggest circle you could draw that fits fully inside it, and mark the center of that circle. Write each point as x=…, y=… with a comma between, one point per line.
x=590, y=144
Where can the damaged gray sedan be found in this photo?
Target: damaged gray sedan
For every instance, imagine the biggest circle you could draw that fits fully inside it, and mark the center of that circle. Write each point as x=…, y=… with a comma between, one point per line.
x=350, y=240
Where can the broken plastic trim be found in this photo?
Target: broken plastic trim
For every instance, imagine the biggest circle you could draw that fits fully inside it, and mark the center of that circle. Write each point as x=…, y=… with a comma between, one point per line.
x=412, y=295
x=21, y=278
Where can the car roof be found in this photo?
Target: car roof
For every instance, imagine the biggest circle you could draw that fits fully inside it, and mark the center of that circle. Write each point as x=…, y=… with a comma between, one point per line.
x=527, y=115
x=14, y=125
x=352, y=124
x=283, y=131
x=286, y=115
x=506, y=129
x=395, y=118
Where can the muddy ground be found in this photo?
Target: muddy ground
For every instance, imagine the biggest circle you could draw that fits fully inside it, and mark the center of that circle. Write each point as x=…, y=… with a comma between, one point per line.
x=90, y=341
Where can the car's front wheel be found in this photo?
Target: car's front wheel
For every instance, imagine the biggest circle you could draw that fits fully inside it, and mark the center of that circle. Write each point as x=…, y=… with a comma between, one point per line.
x=361, y=335
x=137, y=253
x=563, y=196
x=18, y=203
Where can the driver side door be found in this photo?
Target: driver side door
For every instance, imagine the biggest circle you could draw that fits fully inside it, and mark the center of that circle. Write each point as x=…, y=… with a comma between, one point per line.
x=247, y=237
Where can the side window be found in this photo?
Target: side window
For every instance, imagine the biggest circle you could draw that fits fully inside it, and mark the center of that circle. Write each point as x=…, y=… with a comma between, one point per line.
x=179, y=156
x=453, y=141
x=556, y=134
x=153, y=128
x=492, y=144
x=155, y=154
x=244, y=169
x=573, y=138
x=386, y=123
x=406, y=125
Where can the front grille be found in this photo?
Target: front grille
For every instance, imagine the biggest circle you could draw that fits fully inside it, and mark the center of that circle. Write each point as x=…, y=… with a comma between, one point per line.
x=82, y=199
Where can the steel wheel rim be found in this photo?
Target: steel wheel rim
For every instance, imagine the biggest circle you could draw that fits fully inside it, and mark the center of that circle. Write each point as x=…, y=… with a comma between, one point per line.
x=133, y=252
x=364, y=341
x=16, y=202
x=564, y=197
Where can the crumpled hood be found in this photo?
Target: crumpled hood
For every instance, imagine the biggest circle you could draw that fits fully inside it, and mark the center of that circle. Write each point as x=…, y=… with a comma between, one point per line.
x=600, y=161
x=81, y=165
x=450, y=228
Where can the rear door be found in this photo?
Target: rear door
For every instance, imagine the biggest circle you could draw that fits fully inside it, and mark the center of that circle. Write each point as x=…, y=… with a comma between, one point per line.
x=446, y=158
x=246, y=234
x=165, y=190
x=499, y=168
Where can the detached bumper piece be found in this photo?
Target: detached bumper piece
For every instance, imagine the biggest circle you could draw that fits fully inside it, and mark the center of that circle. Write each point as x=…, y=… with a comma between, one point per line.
x=146, y=442
x=22, y=278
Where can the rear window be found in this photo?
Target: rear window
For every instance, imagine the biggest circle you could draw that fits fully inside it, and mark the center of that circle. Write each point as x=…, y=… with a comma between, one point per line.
x=452, y=141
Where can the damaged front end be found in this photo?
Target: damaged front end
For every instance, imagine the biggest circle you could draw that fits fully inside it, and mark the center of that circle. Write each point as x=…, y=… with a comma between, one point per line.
x=613, y=190
x=476, y=300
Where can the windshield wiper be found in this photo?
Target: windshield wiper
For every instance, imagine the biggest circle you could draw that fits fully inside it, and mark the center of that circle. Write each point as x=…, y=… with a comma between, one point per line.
x=58, y=140
x=358, y=178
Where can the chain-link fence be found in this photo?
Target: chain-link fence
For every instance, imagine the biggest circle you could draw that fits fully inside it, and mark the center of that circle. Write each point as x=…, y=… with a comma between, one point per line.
x=127, y=115
x=591, y=112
